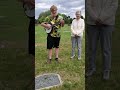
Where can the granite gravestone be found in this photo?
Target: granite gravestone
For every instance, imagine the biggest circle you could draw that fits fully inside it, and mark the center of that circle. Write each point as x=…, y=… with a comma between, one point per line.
x=47, y=81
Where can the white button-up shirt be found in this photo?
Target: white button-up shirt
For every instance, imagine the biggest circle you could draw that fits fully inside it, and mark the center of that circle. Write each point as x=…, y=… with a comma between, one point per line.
x=77, y=27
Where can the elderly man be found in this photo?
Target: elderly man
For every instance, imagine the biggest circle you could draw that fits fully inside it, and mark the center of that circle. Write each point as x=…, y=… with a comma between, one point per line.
x=77, y=29
x=100, y=24
x=53, y=37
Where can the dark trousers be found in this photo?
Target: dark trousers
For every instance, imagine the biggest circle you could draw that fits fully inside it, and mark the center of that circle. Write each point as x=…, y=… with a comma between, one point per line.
x=104, y=34
x=31, y=43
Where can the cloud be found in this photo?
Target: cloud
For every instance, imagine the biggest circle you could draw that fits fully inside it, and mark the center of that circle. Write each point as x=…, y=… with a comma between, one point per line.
x=68, y=7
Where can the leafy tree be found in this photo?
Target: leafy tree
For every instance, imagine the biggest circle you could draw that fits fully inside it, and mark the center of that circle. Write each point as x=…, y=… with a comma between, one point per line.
x=67, y=19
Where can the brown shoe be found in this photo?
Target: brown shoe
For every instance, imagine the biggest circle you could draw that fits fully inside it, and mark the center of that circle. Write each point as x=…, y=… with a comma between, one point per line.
x=48, y=61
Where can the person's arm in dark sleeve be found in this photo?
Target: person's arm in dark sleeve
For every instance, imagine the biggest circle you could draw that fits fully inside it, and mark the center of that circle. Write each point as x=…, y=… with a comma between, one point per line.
x=109, y=11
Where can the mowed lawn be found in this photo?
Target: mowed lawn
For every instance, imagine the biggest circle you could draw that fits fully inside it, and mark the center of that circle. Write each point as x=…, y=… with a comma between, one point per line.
x=71, y=71
x=16, y=66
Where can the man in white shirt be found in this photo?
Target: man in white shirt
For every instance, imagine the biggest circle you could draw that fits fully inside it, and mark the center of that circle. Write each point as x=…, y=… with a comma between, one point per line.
x=77, y=29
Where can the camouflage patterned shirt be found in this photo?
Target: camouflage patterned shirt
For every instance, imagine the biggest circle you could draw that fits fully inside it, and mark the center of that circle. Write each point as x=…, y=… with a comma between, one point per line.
x=55, y=32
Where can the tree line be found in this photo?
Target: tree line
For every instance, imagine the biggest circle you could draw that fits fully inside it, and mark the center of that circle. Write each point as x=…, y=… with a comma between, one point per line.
x=68, y=20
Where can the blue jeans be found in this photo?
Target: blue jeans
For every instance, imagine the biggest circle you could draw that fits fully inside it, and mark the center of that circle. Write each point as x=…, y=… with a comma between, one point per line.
x=76, y=41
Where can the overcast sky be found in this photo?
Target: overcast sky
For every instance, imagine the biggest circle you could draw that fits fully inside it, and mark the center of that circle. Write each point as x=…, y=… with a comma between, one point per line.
x=68, y=7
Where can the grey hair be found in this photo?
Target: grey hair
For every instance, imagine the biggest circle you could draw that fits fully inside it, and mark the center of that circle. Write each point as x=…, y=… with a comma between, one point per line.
x=78, y=12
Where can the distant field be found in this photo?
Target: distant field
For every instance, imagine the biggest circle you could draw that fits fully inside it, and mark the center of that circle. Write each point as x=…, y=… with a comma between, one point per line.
x=71, y=72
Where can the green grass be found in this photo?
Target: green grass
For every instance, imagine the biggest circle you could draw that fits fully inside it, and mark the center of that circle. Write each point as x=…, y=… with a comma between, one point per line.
x=16, y=69
x=16, y=66
x=71, y=71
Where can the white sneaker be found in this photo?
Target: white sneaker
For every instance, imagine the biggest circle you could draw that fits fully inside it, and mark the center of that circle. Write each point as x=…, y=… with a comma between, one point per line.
x=79, y=58
x=72, y=56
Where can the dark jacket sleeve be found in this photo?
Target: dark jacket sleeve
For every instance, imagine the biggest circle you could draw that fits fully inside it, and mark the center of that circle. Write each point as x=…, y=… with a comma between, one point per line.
x=110, y=10
x=90, y=11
